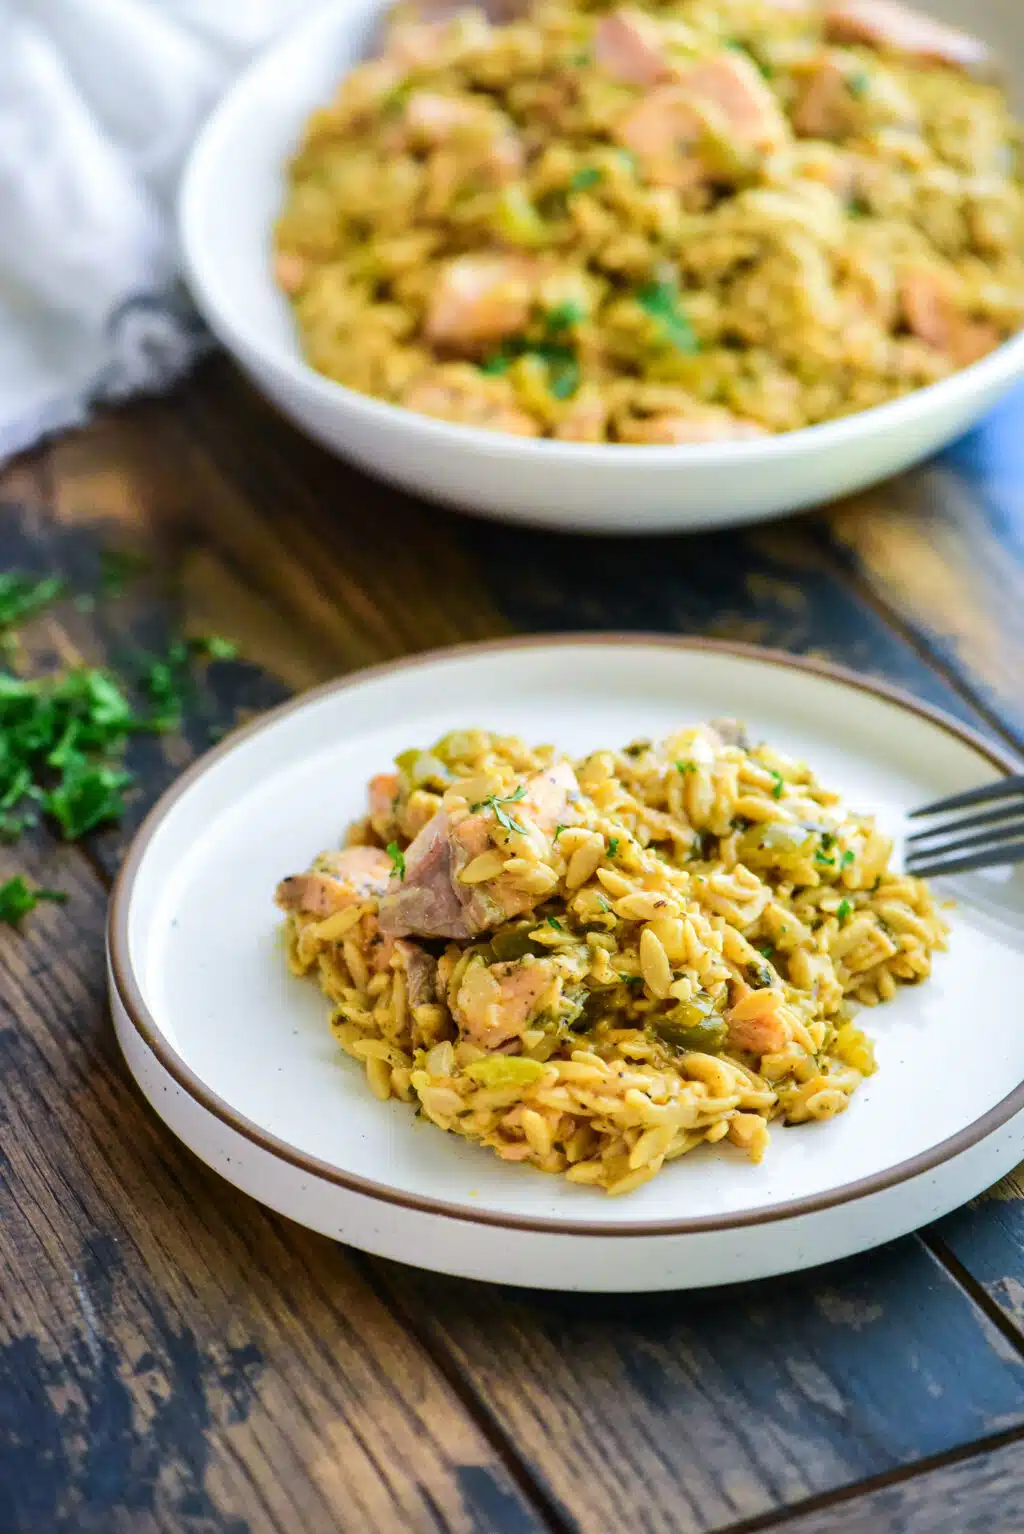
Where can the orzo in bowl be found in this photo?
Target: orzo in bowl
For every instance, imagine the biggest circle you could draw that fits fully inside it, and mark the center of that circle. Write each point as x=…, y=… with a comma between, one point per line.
x=702, y=221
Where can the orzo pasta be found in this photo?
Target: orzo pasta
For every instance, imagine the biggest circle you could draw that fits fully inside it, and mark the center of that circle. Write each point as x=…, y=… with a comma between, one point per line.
x=596, y=966
x=690, y=221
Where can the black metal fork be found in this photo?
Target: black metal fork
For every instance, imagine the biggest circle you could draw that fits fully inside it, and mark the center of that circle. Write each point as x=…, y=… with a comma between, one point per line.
x=956, y=843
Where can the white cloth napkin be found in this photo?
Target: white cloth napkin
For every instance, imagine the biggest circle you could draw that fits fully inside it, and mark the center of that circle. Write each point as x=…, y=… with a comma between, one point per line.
x=99, y=101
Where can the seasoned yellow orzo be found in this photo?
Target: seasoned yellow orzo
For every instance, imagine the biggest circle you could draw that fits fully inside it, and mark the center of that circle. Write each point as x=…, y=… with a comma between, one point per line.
x=596, y=966
x=690, y=221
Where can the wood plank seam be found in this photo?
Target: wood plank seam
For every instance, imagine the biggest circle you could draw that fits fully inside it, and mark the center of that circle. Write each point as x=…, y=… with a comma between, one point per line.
x=788, y=1516
x=560, y=1521
x=911, y=636
x=978, y=1293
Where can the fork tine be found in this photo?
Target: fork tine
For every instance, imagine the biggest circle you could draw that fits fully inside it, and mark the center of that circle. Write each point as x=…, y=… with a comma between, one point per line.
x=1003, y=789
x=994, y=837
x=991, y=857
x=969, y=823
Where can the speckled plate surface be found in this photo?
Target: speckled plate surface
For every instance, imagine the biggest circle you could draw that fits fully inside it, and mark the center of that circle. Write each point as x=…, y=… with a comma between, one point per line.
x=236, y=1055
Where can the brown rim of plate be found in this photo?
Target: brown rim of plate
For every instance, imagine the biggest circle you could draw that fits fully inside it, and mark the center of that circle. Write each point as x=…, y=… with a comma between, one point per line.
x=145, y=1025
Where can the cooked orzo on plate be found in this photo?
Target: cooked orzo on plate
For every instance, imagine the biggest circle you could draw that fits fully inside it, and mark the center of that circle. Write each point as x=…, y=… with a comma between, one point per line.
x=596, y=966
x=681, y=222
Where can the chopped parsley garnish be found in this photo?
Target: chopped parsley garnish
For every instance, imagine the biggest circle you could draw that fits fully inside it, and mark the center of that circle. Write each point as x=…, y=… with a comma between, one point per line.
x=558, y=831
x=584, y=179
x=564, y=316
x=553, y=921
x=843, y=911
x=778, y=783
x=858, y=84
x=661, y=300
x=613, y=846
x=823, y=857
x=22, y=595
x=602, y=902
x=397, y=857
x=857, y=207
x=685, y=767
x=17, y=899
x=560, y=361
x=495, y=802
x=631, y=979
x=564, y=378
x=828, y=841
x=848, y=857
x=767, y=951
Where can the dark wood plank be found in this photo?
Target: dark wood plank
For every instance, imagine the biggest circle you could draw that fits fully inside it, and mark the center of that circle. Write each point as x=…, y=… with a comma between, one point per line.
x=690, y=1412
x=943, y=548
x=172, y=1357
x=980, y=1495
x=433, y=576
x=987, y=1239
x=680, y=1414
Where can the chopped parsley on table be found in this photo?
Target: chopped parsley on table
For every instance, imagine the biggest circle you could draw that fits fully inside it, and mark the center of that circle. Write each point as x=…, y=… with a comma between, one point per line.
x=63, y=735
x=22, y=595
x=18, y=898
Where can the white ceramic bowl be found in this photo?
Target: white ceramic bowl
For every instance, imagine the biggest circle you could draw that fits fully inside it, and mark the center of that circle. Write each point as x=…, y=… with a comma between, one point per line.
x=231, y=192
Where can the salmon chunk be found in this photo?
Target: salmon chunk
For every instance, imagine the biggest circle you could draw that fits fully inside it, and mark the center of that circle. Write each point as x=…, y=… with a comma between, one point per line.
x=731, y=85
x=669, y=430
x=476, y=402
x=825, y=107
x=754, y=1024
x=628, y=46
x=933, y=315
x=432, y=900
x=479, y=300
x=928, y=307
x=665, y=130
x=894, y=28
x=290, y=272
x=434, y=121
x=382, y=791
x=336, y=880
x=497, y=1002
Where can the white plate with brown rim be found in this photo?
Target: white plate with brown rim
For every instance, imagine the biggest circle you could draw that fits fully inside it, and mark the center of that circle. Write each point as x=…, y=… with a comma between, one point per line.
x=235, y=1054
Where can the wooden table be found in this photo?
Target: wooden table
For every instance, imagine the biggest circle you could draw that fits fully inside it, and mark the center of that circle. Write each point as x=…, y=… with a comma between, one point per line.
x=176, y=1358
